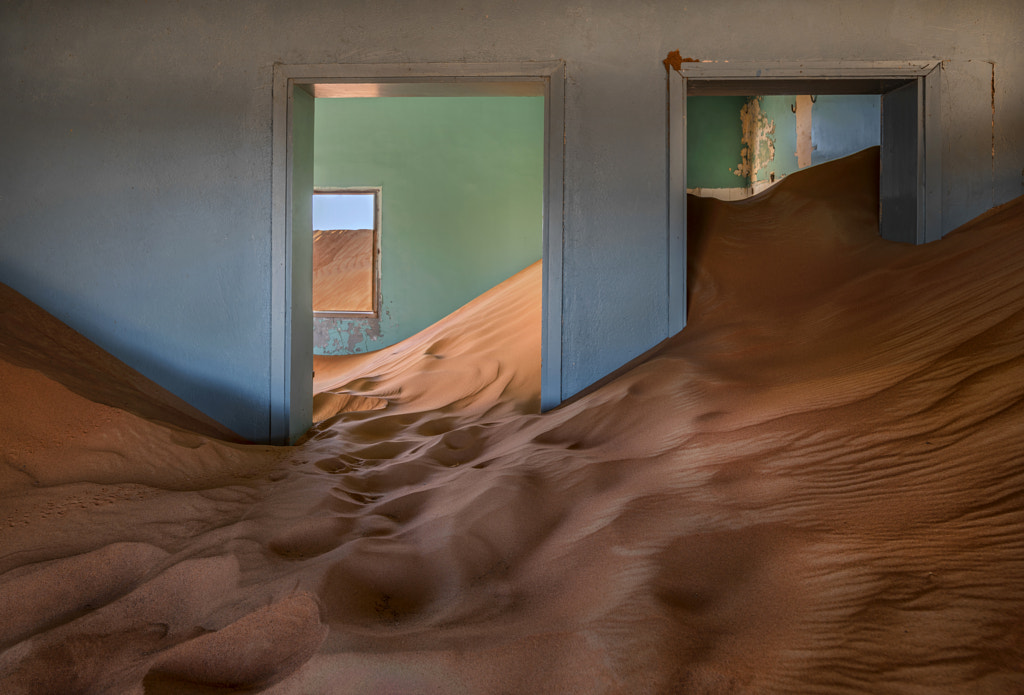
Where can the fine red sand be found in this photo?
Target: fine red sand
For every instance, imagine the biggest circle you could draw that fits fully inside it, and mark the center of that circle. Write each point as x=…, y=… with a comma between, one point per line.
x=816, y=488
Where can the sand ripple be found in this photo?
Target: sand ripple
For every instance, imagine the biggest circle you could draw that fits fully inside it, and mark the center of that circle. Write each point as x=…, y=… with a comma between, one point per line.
x=816, y=488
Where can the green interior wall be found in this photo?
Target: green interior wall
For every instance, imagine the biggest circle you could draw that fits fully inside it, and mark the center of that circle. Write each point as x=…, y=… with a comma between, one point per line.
x=713, y=135
x=462, y=198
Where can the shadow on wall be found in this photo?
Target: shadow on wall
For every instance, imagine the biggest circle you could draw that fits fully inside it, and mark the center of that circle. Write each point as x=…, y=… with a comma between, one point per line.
x=201, y=383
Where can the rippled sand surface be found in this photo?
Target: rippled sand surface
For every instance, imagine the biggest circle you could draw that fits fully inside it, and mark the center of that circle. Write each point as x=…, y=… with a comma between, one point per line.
x=818, y=487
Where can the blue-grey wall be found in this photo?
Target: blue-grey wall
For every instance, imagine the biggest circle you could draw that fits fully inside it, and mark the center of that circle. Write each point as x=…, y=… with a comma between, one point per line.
x=135, y=191
x=843, y=124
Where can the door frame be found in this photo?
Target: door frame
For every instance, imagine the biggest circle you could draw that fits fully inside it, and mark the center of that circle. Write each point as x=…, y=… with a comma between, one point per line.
x=290, y=370
x=760, y=78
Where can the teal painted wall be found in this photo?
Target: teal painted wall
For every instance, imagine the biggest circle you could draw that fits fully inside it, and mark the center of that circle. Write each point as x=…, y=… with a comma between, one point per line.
x=840, y=125
x=713, y=136
x=778, y=109
x=462, y=198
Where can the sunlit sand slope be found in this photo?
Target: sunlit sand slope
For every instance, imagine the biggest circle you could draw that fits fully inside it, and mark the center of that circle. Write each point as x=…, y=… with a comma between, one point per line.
x=816, y=488
x=32, y=339
x=484, y=356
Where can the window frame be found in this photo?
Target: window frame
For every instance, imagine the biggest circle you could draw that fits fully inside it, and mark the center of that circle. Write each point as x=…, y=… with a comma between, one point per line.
x=375, y=276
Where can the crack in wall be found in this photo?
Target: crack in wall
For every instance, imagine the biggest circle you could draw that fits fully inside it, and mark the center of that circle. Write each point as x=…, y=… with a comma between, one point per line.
x=992, y=104
x=993, y=90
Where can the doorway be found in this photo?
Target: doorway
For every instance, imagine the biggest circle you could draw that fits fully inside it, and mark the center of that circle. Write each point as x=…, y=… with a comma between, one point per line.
x=739, y=146
x=911, y=171
x=296, y=88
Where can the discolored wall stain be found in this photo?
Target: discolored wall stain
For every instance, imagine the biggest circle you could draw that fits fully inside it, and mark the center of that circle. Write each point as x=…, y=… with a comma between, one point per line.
x=803, y=110
x=334, y=336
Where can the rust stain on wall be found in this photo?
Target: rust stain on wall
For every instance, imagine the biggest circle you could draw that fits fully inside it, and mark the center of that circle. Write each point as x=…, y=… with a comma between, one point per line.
x=674, y=61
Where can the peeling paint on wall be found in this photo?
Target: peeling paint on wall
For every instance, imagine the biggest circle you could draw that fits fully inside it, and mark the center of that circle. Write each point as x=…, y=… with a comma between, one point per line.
x=758, y=142
x=779, y=134
x=335, y=336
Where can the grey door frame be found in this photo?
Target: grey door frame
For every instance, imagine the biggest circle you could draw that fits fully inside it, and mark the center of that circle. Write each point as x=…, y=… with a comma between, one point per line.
x=757, y=78
x=288, y=371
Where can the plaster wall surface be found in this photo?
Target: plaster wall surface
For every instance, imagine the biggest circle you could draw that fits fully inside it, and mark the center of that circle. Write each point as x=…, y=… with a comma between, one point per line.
x=135, y=195
x=713, y=133
x=844, y=124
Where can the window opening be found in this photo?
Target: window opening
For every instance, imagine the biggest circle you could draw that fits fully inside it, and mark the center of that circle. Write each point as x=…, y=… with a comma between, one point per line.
x=346, y=250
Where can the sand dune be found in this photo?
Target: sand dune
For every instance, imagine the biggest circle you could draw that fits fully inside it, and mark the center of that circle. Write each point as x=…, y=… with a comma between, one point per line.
x=493, y=366
x=343, y=270
x=816, y=487
x=36, y=341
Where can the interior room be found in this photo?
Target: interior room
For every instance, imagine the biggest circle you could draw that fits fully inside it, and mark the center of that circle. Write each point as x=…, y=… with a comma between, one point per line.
x=738, y=146
x=511, y=347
